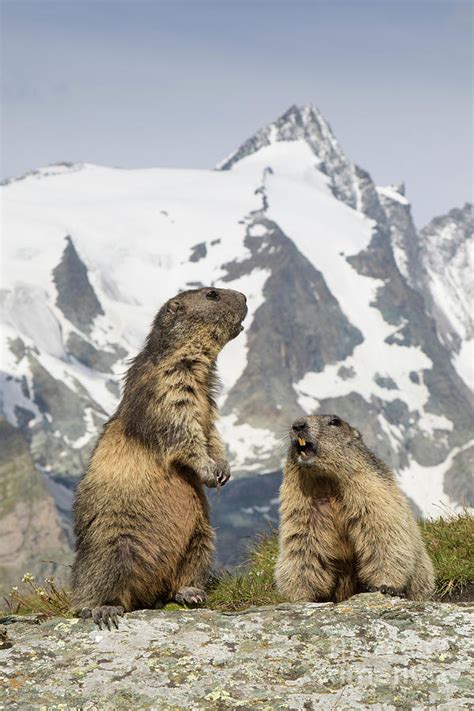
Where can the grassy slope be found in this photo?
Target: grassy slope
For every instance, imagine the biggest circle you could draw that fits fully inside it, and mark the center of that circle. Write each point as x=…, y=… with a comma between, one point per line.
x=449, y=541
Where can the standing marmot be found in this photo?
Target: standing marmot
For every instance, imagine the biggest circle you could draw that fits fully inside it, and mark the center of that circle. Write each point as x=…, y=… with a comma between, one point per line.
x=345, y=525
x=141, y=515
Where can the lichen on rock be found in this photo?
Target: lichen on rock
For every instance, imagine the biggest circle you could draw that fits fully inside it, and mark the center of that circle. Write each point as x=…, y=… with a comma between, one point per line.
x=370, y=651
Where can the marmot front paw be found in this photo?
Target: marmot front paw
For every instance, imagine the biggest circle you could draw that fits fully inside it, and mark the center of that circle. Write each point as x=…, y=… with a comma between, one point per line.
x=213, y=473
x=190, y=596
x=222, y=472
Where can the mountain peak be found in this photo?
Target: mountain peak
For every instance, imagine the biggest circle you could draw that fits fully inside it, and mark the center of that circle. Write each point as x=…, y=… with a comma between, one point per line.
x=297, y=123
x=305, y=123
x=297, y=118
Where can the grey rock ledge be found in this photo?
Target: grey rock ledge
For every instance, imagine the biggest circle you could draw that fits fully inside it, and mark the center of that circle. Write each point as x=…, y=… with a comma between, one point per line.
x=369, y=652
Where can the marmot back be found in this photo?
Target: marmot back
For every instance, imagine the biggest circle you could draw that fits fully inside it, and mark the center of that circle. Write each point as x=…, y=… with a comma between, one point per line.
x=141, y=516
x=345, y=526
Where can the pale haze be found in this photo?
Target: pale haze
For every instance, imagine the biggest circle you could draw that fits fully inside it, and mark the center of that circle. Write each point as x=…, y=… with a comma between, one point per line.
x=182, y=84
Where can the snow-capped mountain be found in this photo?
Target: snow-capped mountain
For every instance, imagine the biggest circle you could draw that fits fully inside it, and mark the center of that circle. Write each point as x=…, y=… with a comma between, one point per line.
x=439, y=263
x=351, y=310
x=447, y=257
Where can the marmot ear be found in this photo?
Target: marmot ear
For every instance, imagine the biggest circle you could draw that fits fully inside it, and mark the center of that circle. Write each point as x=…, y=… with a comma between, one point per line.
x=173, y=306
x=356, y=433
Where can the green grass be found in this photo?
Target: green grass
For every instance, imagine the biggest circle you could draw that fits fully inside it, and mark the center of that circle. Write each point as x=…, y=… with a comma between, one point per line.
x=449, y=541
x=253, y=586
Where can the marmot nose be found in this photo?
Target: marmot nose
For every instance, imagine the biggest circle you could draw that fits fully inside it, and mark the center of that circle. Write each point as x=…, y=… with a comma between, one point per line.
x=299, y=425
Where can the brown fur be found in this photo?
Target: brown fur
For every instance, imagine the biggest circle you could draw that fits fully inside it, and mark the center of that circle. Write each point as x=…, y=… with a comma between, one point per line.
x=141, y=515
x=345, y=527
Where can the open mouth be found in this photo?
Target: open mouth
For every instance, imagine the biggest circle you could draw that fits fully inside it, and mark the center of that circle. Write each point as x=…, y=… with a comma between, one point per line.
x=304, y=448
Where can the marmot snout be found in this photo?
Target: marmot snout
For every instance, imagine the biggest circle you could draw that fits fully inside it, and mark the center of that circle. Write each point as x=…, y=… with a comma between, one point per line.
x=325, y=438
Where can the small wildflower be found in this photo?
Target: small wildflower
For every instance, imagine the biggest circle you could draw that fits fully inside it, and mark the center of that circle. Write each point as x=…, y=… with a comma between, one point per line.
x=28, y=578
x=14, y=589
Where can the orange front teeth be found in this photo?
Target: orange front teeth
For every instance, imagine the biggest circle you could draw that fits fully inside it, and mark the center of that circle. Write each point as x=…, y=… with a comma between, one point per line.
x=301, y=441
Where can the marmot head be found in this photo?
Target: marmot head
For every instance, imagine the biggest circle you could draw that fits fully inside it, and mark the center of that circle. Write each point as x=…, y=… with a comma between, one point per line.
x=212, y=315
x=322, y=441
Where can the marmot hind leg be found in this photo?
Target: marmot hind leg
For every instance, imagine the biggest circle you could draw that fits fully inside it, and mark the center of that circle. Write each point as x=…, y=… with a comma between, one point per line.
x=101, y=587
x=421, y=584
x=194, y=568
x=303, y=578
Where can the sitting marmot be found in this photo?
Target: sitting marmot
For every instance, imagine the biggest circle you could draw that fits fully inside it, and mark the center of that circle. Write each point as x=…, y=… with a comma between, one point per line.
x=346, y=527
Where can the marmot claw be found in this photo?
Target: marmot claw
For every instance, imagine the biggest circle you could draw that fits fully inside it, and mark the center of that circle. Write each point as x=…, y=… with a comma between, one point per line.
x=190, y=596
x=215, y=473
x=222, y=472
x=105, y=614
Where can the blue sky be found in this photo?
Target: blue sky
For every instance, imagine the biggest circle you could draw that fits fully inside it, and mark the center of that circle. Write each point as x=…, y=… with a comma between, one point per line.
x=182, y=83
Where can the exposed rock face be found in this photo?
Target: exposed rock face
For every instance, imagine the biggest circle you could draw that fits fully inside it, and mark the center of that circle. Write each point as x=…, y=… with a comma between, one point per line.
x=60, y=440
x=75, y=296
x=284, y=339
x=369, y=652
x=447, y=256
x=199, y=251
x=90, y=356
x=369, y=200
x=30, y=529
x=404, y=236
x=458, y=482
x=405, y=309
x=437, y=262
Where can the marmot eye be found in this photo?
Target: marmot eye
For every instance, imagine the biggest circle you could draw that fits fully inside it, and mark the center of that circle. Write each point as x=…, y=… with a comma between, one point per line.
x=212, y=295
x=335, y=422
